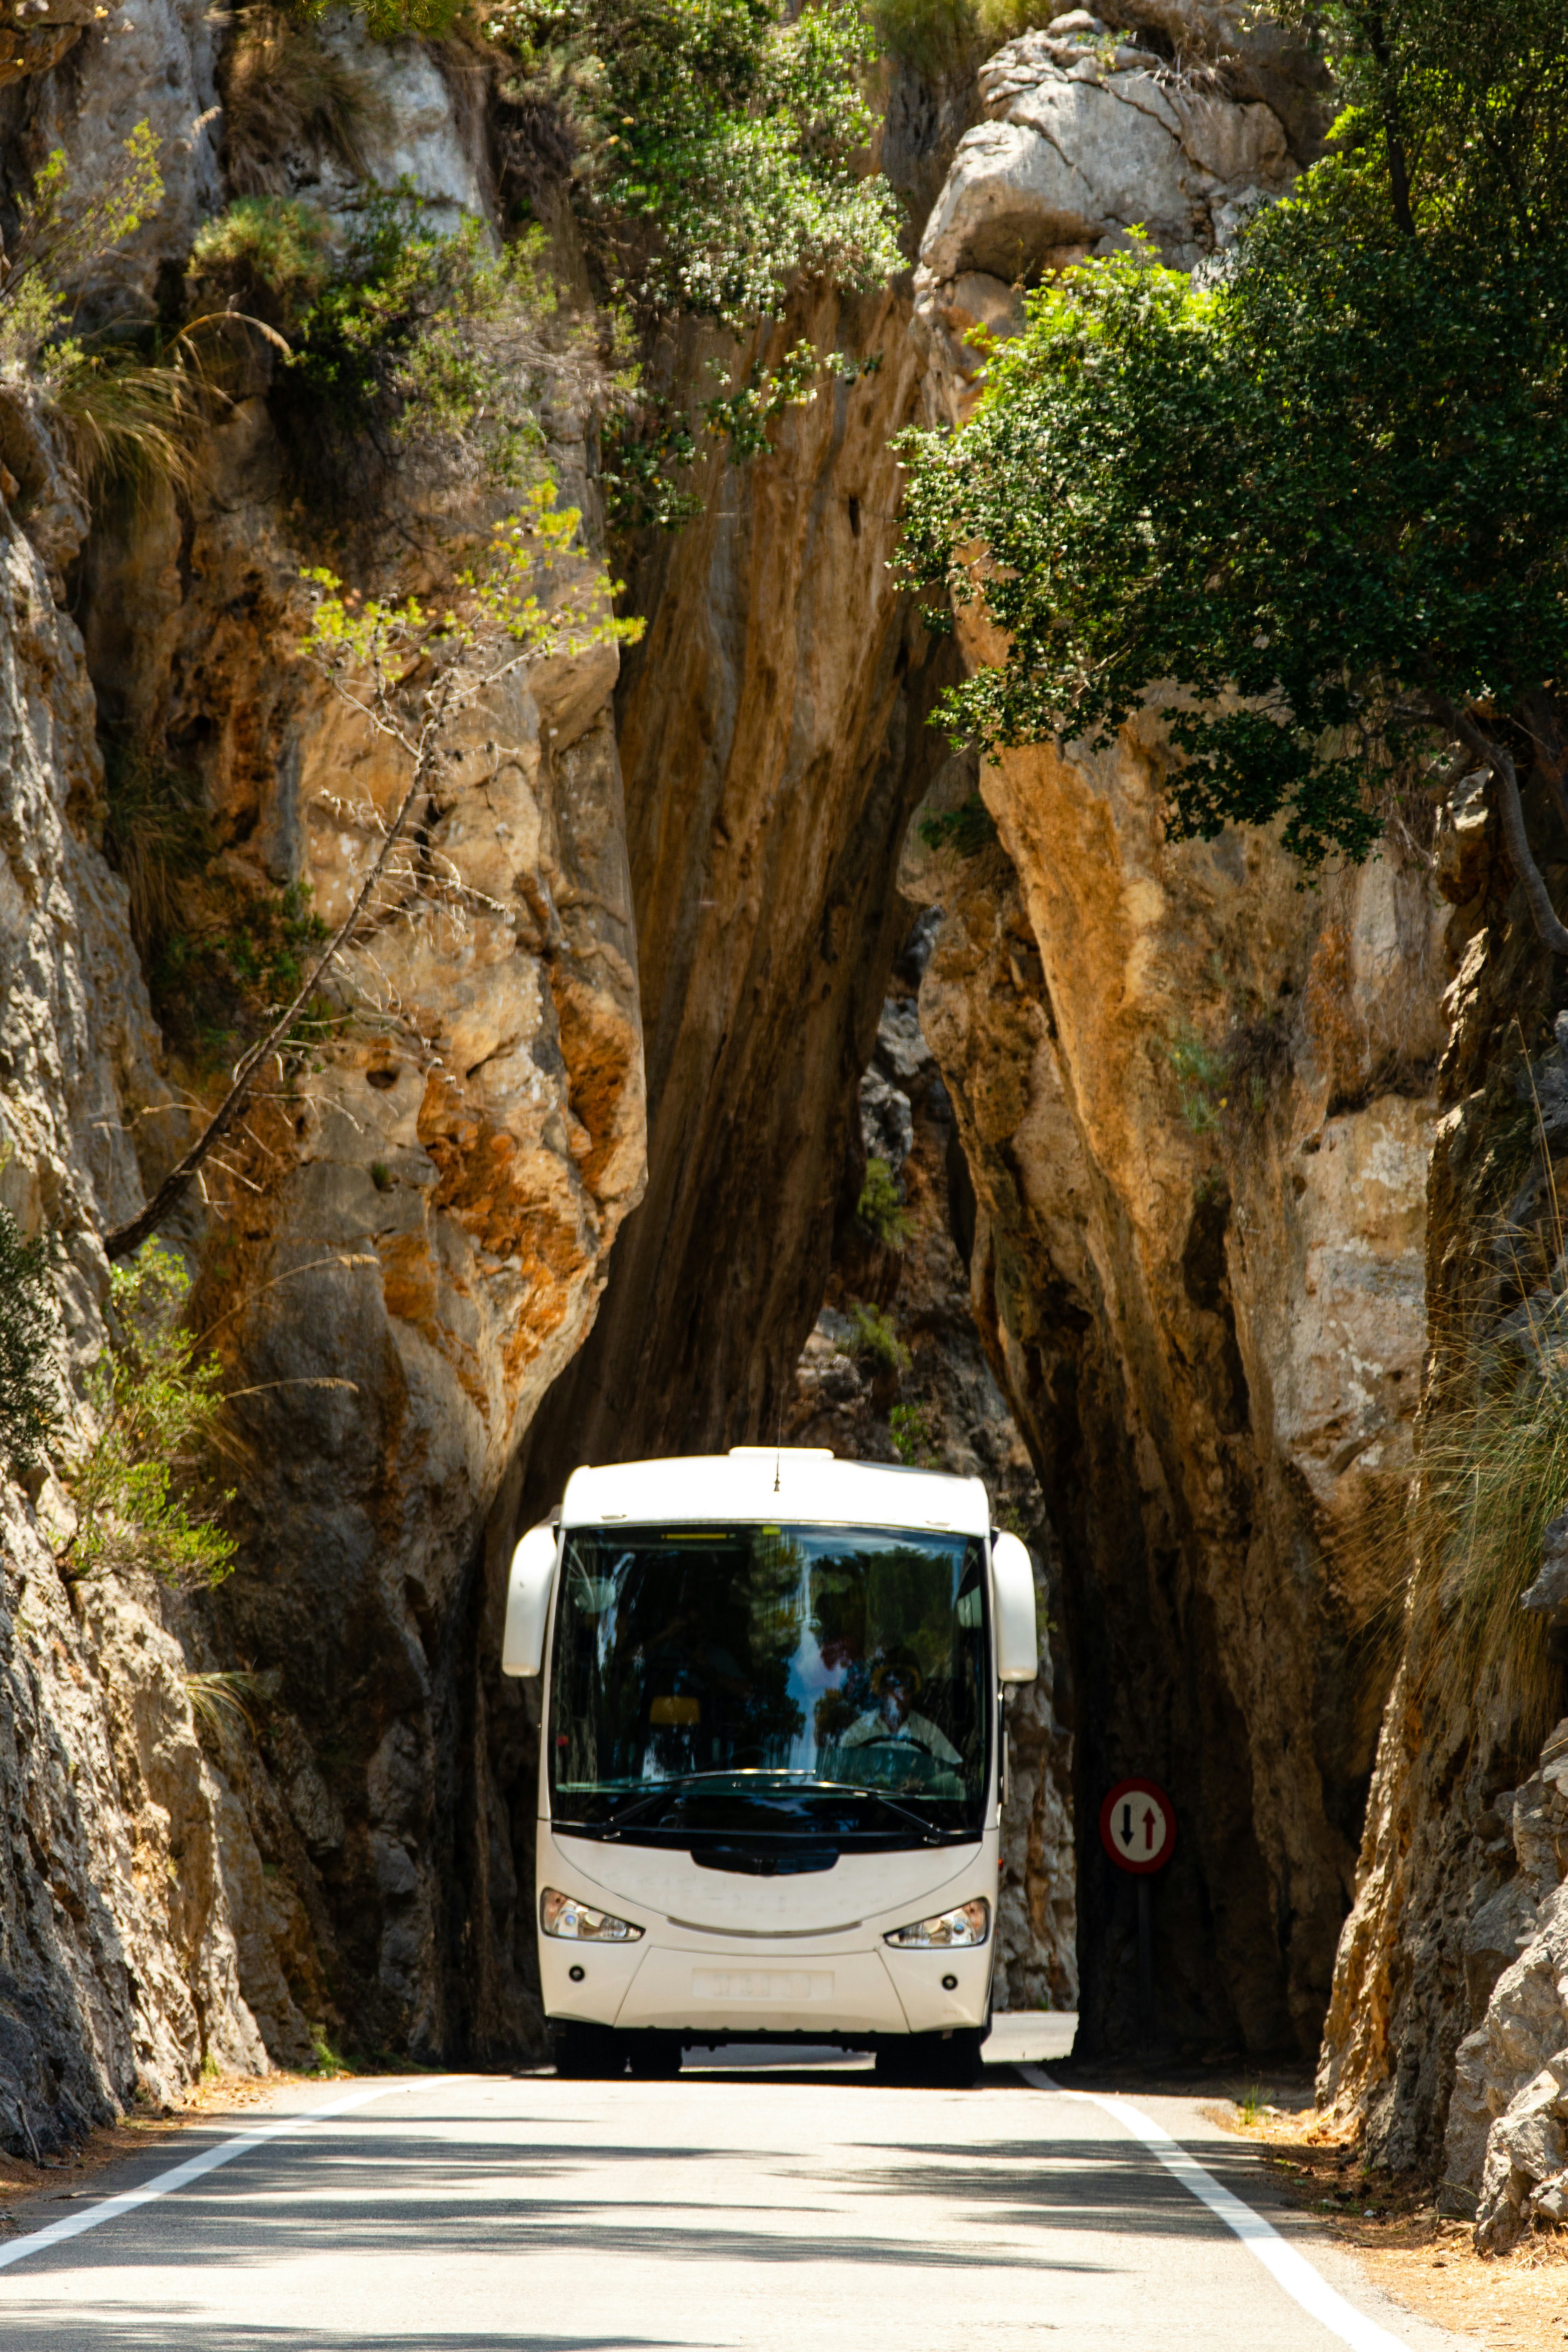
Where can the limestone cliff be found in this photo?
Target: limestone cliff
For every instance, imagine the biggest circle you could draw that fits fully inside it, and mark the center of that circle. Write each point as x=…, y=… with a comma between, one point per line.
x=771, y=728
x=402, y=1249
x=120, y=1967
x=1433, y=1977
x=1195, y=1103
x=930, y=1396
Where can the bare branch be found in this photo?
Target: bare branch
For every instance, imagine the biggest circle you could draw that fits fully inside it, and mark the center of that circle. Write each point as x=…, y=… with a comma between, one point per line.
x=1532, y=880
x=121, y=1240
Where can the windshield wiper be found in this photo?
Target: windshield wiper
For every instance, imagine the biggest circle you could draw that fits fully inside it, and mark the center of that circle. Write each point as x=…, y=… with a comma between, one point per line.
x=682, y=1781
x=853, y=1789
x=770, y=1784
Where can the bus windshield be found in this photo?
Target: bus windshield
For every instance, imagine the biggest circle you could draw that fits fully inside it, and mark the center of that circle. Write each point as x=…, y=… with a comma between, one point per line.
x=804, y=1679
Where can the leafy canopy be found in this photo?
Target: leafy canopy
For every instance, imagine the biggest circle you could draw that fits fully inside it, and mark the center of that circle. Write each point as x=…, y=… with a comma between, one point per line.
x=1324, y=495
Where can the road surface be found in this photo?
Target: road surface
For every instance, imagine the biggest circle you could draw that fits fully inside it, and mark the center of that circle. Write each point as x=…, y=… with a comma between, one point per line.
x=778, y=2207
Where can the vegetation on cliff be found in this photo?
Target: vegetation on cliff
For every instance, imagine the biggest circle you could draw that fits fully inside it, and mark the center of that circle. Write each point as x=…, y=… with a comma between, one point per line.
x=1320, y=490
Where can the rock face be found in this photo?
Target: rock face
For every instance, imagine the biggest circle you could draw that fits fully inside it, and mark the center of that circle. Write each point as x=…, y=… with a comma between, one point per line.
x=401, y=1250
x=1195, y=1108
x=1193, y=1101
x=770, y=734
x=942, y=1405
x=1441, y=1876
x=1505, y=2158
x=119, y=1972
x=1080, y=147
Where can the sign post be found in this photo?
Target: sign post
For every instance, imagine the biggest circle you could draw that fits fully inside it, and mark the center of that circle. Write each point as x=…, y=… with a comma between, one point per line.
x=1137, y=1831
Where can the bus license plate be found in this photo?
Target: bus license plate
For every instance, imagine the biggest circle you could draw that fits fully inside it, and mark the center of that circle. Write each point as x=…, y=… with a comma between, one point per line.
x=761, y=1984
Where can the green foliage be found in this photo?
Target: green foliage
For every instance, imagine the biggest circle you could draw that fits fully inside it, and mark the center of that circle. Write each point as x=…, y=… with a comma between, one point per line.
x=496, y=597
x=873, y=1337
x=62, y=234
x=881, y=1206
x=429, y=343
x=1201, y=1075
x=742, y=417
x=1322, y=494
x=397, y=20
x=1456, y=116
x=216, y=985
x=329, y=2064
x=138, y=1487
x=640, y=451
x=649, y=441
x=271, y=255
x=967, y=829
x=157, y=833
x=132, y=419
x=944, y=40
x=30, y=1324
x=1494, y=1473
x=915, y=1437
x=718, y=144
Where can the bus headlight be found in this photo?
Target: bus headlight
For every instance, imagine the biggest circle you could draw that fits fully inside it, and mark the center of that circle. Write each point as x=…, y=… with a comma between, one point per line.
x=563, y=1915
x=970, y=1924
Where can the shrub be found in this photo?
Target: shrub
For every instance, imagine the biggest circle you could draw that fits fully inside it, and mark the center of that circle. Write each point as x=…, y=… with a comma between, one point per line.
x=944, y=40
x=270, y=254
x=873, y=1337
x=219, y=985
x=428, y=348
x=61, y=233
x=222, y=1701
x=914, y=1438
x=718, y=144
x=649, y=441
x=1200, y=1073
x=30, y=1321
x=881, y=1206
x=157, y=833
x=131, y=421
x=967, y=829
x=1493, y=1473
x=137, y=1489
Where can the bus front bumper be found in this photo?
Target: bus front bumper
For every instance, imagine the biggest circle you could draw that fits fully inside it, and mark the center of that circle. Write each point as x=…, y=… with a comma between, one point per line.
x=835, y=1990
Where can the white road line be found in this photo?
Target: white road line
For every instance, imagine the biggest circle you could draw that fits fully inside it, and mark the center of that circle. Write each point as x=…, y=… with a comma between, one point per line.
x=163, y=2184
x=1289, y=2268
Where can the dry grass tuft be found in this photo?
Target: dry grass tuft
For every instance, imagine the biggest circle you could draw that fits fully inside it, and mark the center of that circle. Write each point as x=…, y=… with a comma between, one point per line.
x=284, y=92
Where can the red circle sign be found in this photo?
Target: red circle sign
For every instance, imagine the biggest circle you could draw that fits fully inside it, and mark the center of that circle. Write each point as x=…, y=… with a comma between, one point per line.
x=1138, y=1825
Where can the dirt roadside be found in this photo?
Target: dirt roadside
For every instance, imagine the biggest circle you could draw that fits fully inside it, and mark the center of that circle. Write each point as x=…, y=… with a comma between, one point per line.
x=25, y=2188
x=1503, y=2303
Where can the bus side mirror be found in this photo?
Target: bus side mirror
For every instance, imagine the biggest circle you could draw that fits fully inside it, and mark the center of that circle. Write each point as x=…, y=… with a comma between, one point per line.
x=528, y=1603
x=1012, y=1584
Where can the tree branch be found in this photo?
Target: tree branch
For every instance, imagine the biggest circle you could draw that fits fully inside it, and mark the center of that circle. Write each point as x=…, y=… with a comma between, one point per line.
x=1531, y=880
x=121, y=1240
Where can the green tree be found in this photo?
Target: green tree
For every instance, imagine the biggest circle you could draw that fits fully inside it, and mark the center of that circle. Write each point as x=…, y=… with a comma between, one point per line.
x=1321, y=493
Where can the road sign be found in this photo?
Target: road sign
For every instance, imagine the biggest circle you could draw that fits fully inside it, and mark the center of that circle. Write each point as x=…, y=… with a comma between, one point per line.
x=1138, y=1825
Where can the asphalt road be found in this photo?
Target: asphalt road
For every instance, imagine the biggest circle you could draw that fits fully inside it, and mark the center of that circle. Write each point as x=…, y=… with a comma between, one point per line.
x=756, y=2204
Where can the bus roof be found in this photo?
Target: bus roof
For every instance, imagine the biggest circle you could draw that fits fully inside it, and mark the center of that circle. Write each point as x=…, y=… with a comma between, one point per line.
x=766, y=1482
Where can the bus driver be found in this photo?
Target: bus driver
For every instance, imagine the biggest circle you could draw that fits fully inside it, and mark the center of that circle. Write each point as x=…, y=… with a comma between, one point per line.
x=897, y=1683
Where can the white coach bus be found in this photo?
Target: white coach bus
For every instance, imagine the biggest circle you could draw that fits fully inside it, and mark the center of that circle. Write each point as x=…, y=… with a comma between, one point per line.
x=772, y=1755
